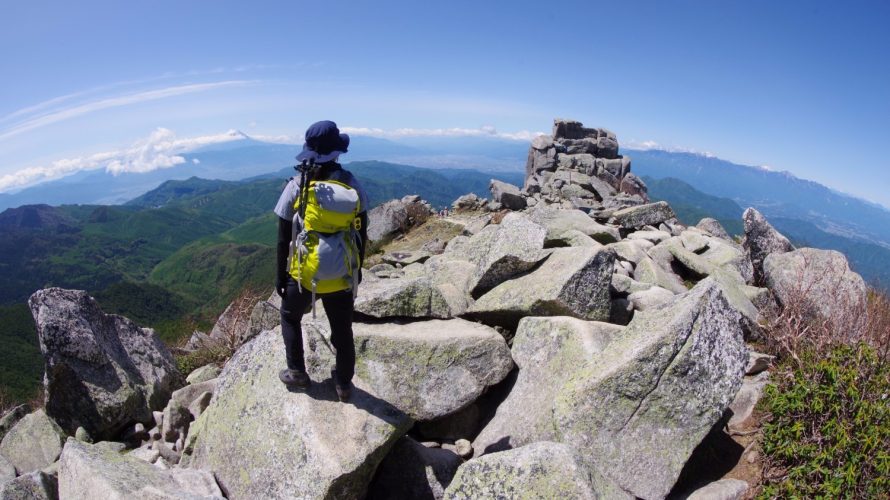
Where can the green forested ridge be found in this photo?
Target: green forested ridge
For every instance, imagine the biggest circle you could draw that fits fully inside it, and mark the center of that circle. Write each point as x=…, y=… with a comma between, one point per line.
x=21, y=365
x=691, y=205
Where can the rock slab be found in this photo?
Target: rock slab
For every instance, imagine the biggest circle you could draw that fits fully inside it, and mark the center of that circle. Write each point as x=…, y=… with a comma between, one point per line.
x=90, y=471
x=263, y=441
x=542, y=470
x=33, y=443
x=430, y=369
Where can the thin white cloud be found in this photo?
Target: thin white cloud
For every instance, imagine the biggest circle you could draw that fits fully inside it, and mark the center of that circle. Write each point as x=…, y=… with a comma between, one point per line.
x=112, y=102
x=161, y=149
x=649, y=145
x=485, y=131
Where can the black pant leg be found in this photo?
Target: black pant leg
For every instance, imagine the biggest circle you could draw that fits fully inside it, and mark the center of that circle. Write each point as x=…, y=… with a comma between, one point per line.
x=292, y=306
x=338, y=307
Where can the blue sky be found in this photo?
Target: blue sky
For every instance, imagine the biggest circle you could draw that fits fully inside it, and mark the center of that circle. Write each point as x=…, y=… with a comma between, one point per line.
x=798, y=86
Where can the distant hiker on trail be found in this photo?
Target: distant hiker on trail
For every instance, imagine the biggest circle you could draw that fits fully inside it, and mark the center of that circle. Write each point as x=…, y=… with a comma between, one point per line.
x=322, y=230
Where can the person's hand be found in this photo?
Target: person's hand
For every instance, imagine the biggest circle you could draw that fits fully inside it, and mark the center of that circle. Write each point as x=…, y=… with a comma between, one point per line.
x=281, y=287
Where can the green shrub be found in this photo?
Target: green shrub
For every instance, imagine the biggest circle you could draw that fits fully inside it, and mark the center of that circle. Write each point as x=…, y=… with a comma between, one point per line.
x=829, y=434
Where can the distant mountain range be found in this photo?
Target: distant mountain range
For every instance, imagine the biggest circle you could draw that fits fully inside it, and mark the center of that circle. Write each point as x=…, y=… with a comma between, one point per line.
x=245, y=157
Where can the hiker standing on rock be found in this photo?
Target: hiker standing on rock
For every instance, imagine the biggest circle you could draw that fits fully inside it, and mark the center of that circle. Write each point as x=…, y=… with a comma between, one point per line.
x=322, y=230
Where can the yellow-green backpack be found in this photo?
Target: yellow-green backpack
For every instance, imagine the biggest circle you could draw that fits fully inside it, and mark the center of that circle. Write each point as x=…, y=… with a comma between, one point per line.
x=324, y=250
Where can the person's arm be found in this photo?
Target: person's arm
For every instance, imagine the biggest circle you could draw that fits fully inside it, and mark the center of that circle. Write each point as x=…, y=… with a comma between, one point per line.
x=285, y=228
x=363, y=217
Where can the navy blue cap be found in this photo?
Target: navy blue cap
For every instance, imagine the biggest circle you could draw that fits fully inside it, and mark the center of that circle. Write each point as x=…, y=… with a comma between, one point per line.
x=324, y=142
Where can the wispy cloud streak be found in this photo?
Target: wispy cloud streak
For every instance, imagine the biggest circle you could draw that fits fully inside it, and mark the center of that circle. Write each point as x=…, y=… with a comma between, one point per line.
x=111, y=102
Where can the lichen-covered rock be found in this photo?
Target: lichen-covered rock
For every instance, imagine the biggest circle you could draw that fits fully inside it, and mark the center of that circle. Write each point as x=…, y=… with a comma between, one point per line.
x=92, y=471
x=7, y=470
x=504, y=250
x=651, y=298
x=402, y=297
x=724, y=489
x=649, y=271
x=714, y=228
x=651, y=214
x=557, y=222
x=34, y=442
x=203, y=374
x=633, y=185
x=821, y=279
x=405, y=258
x=571, y=282
x=542, y=470
x=548, y=353
x=412, y=470
x=746, y=399
x=430, y=369
x=761, y=240
x=36, y=485
x=507, y=195
x=265, y=315
x=638, y=407
x=102, y=371
x=11, y=417
x=263, y=441
x=395, y=216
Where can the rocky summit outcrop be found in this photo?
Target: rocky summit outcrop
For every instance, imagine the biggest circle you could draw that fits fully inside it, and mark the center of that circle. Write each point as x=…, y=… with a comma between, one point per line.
x=102, y=371
x=580, y=167
x=261, y=440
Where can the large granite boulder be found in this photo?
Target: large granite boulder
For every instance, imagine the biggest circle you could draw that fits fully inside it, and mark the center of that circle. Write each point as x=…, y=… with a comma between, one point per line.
x=761, y=240
x=33, y=443
x=36, y=485
x=637, y=407
x=571, y=282
x=264, y=441
x=91, y=471
x=11, y=417
x=651, y=214
x=714, y=228
x=395, y=216
x=542, y=470
x=820, y=281
x=548, y=352
x=402, y=297
x=507, y=195
x=501, y=251
x=102, y=371
x=557, y=222
x=430, y=369
x=412, y=470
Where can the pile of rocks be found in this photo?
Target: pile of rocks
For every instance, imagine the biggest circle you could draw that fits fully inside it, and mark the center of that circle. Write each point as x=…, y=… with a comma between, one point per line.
x=579, y=167
x=582, y=344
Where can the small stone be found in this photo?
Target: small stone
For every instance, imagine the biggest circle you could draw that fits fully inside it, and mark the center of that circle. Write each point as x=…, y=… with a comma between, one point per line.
x=82, y=435
x=463, y=448
x=757, y=362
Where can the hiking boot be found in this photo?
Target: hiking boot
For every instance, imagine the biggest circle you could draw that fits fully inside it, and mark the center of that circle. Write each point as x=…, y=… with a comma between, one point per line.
x=344, y=392
x=295, y=378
